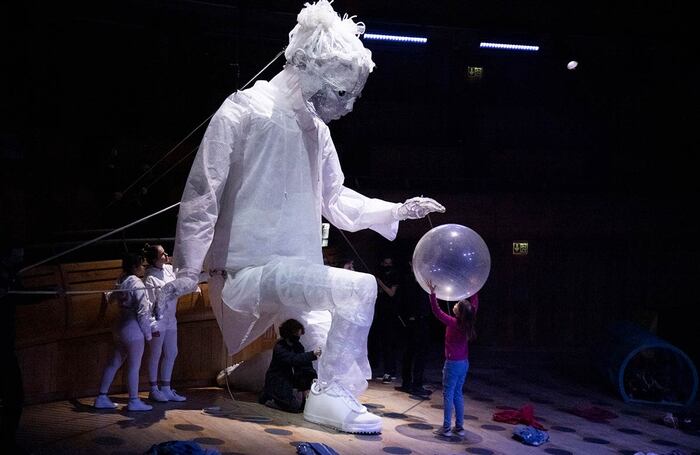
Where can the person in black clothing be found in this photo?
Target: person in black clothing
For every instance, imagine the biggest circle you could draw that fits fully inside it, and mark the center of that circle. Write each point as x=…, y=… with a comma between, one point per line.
x=414, y=314
x=382, y=337
x=289, y=377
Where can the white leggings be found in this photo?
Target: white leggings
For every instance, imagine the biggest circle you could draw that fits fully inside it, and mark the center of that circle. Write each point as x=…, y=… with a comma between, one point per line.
x=335, y=306
x=165, y=344
x=129, y=345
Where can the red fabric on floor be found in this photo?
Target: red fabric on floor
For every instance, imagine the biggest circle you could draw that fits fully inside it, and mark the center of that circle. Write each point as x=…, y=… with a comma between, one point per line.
x=594, y=414
x=525, y=415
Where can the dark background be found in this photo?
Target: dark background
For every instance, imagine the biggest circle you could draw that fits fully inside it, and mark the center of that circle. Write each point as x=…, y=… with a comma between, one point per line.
x=595, y=168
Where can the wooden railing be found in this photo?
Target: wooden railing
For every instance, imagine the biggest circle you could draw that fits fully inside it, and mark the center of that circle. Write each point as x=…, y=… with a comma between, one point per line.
x=65, y=341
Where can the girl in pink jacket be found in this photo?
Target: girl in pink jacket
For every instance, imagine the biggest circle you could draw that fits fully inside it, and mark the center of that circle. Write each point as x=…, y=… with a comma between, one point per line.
x=459, y=330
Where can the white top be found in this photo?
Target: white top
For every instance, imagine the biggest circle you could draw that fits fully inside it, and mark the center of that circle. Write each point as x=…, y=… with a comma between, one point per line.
x=155, y=279
x=137, y=306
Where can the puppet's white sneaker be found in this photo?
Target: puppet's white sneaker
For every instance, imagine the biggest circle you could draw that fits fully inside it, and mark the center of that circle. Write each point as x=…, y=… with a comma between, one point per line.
x=336, y=407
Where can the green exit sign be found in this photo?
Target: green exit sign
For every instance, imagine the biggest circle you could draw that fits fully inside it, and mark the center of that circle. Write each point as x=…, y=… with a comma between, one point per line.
x=475, y=73
x=520, y=248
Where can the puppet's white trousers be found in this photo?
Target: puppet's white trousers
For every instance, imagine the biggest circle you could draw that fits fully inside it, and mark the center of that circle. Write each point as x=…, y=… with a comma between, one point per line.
x=335, y=306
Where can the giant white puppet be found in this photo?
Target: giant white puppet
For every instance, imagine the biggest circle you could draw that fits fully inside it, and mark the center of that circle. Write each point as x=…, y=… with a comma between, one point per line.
x=264, y=175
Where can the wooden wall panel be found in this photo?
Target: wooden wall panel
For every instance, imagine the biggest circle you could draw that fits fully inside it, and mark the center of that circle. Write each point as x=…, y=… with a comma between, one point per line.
x=40, y=322
x=201, y=354
x=266, y=341
x=65, y=342
x=40, y=368
x=42, y=276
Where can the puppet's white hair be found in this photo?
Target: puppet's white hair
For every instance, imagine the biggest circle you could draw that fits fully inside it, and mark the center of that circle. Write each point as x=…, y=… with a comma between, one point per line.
x=321, y=34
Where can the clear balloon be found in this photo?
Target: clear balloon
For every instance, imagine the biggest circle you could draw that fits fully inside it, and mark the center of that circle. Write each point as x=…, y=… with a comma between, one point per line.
x=456, y=260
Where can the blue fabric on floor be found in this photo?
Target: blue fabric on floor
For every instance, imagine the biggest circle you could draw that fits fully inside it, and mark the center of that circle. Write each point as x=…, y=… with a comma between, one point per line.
x=315, y=448
x=180, y=448
x=530, y=435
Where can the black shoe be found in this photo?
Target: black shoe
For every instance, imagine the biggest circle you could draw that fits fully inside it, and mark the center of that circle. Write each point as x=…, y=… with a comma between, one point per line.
x=421, y=391
x=444, y=432
x=403, y=389
x=386, y=379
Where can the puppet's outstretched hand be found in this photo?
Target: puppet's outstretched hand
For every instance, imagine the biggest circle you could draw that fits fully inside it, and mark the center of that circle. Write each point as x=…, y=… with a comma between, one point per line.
x=416, y=208
x=185, y=283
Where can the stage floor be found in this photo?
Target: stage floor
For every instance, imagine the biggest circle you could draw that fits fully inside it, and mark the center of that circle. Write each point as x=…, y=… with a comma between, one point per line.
x=246, y=427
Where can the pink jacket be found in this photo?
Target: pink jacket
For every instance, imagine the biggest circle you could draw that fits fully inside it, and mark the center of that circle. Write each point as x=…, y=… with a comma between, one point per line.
x=456, y=342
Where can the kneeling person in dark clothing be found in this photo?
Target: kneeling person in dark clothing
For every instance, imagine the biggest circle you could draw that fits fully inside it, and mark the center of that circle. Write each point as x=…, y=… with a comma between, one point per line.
x=289, y=377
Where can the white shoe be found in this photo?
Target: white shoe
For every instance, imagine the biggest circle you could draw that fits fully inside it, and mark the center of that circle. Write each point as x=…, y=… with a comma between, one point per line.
x=172, y=395
x=336, y=407
x=157, y=395
x=138, y=405
x=103, y=402
x=222, y=377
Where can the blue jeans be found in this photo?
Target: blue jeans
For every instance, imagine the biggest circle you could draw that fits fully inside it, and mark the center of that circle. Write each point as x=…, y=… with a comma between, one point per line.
x=453, y=375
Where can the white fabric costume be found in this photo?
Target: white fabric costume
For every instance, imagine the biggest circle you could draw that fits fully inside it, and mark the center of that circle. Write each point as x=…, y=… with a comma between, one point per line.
x=154, y=279
x=134, y=324
x=266, y=172
x=256, y=191
x=136, y=315
x=166, y=343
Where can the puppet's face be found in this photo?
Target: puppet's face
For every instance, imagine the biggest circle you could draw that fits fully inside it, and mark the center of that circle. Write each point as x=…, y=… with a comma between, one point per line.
x=339, y=85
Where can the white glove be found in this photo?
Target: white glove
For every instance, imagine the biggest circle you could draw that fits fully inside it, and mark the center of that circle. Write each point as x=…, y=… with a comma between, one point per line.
x=185, y=283
x=416, y=208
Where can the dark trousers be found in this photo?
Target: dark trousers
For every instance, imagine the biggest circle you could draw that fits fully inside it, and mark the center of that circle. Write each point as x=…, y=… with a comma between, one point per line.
x=292, y=399
x=413, y=361
x=382, y=341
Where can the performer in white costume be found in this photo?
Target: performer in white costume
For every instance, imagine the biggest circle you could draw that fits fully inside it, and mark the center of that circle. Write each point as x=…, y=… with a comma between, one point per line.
x=134, y=325
x=163, y=349
x=266, y=172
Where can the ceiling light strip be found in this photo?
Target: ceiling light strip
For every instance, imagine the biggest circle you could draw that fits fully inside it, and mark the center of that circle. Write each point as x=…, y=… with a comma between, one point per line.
x=395, y=38
x=509, y=47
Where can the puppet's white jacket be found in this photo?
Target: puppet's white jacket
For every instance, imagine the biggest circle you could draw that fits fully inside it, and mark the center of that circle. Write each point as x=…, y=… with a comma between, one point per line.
x=266, y=172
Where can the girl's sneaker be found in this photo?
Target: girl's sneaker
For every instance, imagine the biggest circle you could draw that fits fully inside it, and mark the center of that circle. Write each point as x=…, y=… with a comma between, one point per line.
x=172, y=395
x=157, y=395
x=135, y=404
x=103, y=402
x=459, y=431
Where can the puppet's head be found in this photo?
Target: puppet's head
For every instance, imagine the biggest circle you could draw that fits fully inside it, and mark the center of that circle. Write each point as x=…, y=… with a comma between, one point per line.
x=333, y=63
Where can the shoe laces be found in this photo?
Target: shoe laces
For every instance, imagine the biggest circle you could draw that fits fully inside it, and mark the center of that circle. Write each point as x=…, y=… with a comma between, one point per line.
x=339, y=390
x=174, y=394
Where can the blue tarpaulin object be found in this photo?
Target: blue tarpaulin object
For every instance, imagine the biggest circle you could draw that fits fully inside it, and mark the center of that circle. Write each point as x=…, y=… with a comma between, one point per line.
x=180, y=448
x=315, y=448
x=530, y=435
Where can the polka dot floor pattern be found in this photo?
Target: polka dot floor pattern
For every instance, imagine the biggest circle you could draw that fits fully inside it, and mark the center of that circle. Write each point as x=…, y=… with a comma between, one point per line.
x=245, y=427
